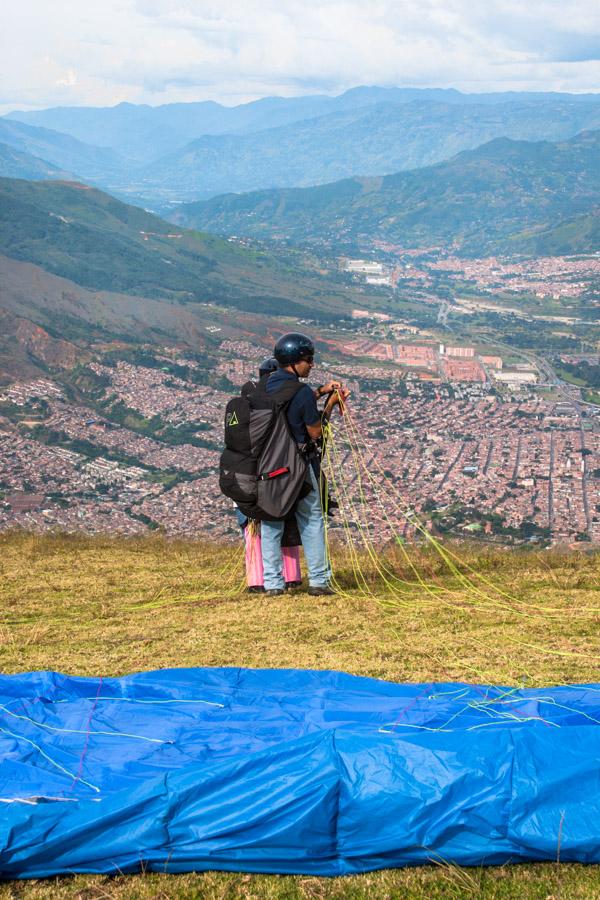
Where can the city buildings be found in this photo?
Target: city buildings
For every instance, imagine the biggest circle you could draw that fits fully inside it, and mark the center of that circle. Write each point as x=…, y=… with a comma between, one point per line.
x=427, y=439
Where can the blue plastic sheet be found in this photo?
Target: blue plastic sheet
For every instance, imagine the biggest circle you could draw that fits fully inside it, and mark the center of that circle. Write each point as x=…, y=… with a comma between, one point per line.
x=291, y=771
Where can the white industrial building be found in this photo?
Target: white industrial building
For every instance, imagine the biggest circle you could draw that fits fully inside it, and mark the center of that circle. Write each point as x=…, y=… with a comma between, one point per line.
x=379, y=280
x=516, y=377
x=364, y=267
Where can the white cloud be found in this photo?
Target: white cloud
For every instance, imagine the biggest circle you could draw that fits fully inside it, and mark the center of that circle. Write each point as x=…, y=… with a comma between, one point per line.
x=69, y=80
x=158, y=51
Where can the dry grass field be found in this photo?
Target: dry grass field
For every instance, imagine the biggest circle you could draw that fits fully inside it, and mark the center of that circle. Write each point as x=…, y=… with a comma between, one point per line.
x=112, y=606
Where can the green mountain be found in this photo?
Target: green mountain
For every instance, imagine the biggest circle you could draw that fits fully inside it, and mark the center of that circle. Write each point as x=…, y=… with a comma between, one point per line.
x=97, y=242
x=581, y=234
x=15, y=164
x=511, y=195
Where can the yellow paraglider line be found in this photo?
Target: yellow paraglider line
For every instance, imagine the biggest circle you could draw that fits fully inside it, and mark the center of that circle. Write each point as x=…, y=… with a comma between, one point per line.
x=375, y=559
x=447, y=555
x=409, y=517
x=476, y=597
x=358, y=461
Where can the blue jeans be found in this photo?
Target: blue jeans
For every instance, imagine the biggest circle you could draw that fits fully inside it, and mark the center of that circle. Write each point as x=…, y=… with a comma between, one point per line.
x=309, y=516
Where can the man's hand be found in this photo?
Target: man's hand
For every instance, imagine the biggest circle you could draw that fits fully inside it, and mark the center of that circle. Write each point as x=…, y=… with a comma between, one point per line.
x=329, y=387
x=338, y=398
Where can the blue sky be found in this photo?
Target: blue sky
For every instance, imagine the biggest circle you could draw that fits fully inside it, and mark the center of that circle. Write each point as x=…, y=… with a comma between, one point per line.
x=160, y=51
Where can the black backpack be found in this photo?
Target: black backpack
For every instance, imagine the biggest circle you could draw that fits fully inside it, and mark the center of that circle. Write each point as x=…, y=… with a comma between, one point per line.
x=262, y=469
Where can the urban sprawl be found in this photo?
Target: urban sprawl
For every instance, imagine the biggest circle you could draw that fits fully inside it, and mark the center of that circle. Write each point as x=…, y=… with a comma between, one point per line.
x=440, y=436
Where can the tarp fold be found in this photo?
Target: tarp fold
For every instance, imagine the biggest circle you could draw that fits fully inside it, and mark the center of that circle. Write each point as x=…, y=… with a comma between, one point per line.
x=291, y=771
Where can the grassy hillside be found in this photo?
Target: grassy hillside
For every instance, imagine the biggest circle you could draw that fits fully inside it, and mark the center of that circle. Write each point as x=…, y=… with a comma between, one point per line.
x=112, y=606
x=88, y=237
x=580, y=234
x=506, y=193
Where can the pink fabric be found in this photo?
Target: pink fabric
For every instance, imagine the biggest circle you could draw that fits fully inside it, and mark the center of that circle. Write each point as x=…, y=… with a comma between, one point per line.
x=291, y=564
x=254, y=563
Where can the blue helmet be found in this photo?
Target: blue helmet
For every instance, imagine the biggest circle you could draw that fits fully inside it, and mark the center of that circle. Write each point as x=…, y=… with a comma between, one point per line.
x=267, y=366
x=292, y=348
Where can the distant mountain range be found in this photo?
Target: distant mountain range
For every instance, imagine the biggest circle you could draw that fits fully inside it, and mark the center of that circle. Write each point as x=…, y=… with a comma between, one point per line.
x=145, y=133
x=376, y=140
x=60, y=151
x=506, y=196
x=180, y=152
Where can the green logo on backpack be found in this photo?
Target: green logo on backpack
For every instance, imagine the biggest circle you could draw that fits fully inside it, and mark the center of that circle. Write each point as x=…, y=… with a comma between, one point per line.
x=232, y=419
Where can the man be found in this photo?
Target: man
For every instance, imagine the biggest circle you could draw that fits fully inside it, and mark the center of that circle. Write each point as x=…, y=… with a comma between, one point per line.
x=294, y=353
x=290, y=541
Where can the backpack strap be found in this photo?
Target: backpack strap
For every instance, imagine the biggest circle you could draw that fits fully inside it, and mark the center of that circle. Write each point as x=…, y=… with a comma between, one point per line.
x=286, y=393
x=280, y=398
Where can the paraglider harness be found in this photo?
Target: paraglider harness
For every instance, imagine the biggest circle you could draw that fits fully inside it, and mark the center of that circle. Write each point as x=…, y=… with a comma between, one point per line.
x=262, y=469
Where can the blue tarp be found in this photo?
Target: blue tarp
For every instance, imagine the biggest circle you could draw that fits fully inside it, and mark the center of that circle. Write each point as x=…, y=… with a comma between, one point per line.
x=291, y=771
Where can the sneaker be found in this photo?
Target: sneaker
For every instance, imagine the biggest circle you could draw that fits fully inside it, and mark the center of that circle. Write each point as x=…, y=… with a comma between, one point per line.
x=274, y=592
x=292, y=585
x=321, y=590
x=255, y=589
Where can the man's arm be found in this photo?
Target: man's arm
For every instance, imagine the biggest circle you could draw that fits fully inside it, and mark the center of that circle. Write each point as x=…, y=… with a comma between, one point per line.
x=315, y=431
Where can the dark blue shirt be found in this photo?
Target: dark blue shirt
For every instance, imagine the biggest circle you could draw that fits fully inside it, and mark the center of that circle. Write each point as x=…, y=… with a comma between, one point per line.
x=302, y=410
